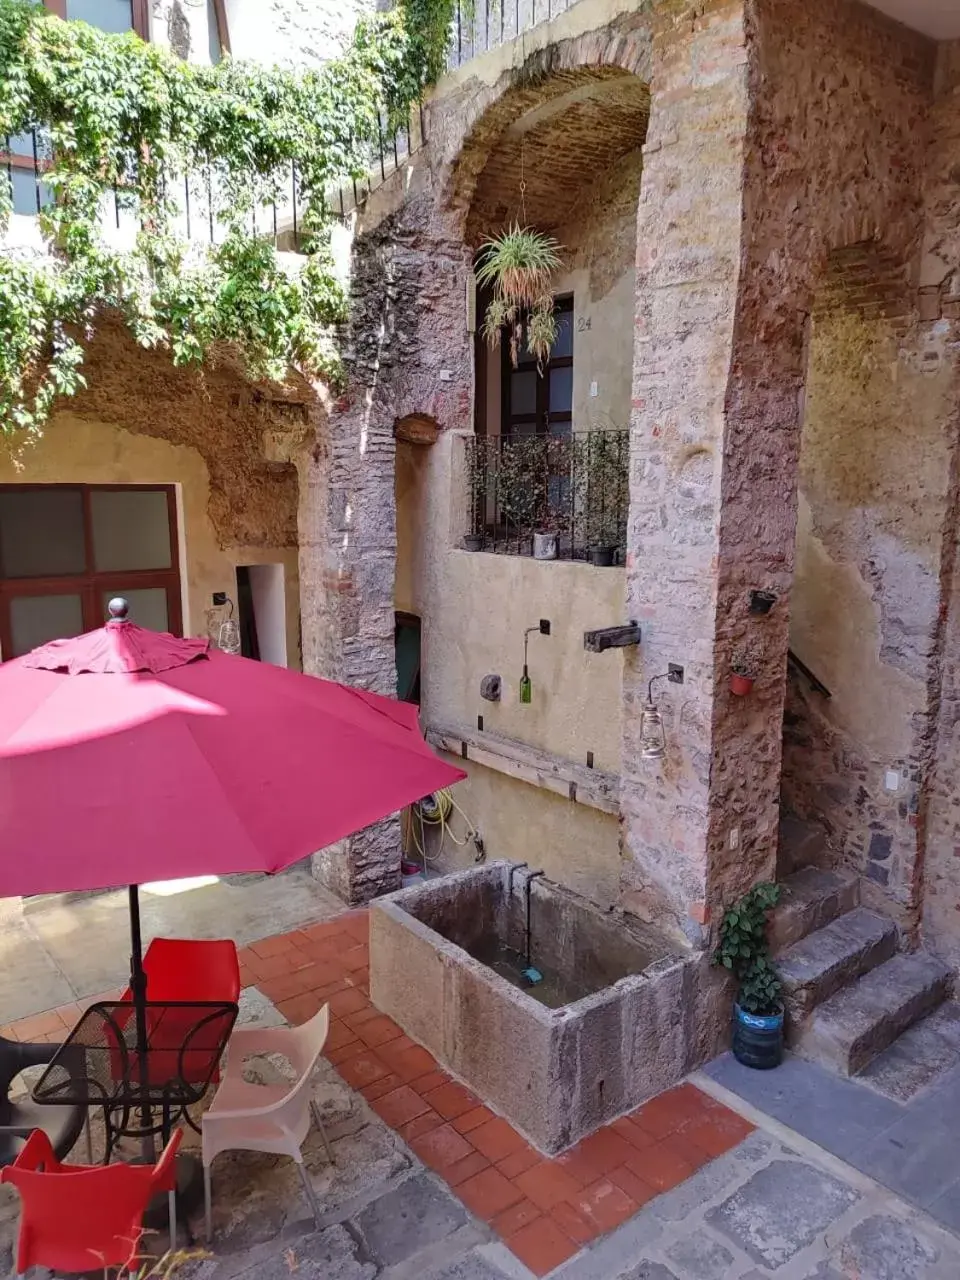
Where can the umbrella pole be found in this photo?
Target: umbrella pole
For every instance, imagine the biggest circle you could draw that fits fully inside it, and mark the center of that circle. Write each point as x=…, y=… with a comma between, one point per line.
x=138, y=989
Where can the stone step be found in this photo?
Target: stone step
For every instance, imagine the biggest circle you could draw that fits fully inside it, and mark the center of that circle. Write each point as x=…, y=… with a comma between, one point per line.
x=802, y=844
x=920, y=1057
x=810, y=899
x=851, y=1028
x=817, y=966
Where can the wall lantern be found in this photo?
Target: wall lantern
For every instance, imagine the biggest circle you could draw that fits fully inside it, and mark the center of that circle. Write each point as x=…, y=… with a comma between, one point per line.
x=653, y=739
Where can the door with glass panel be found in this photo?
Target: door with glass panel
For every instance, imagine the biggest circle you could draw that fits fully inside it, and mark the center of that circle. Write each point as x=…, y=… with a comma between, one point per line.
x=536, y=430
x=66, y=550
x=539, y=401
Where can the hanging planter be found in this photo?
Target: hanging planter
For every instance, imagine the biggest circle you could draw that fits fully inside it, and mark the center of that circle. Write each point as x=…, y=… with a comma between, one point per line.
x=517, y=267
x=743, y=672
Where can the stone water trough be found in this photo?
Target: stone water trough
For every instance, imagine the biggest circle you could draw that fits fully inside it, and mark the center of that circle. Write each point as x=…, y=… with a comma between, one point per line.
x=610, y=1023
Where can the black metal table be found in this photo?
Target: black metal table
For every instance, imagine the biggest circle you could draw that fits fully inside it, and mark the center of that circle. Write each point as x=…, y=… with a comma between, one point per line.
x=142, y=1086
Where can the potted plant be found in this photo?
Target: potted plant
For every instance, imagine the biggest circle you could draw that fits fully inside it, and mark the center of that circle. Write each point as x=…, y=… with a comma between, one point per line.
x=606, y=497
x=743, y=671
x=517, y=266
x=744, y=952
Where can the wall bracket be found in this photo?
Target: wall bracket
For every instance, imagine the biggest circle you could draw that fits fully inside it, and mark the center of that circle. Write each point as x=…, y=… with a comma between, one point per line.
x=611, y=638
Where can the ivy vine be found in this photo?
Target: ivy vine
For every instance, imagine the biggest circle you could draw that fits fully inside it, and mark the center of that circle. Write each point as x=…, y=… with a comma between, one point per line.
x=118, y=115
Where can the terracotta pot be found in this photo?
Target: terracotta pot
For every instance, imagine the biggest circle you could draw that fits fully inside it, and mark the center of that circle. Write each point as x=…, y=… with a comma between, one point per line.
x=740, y=685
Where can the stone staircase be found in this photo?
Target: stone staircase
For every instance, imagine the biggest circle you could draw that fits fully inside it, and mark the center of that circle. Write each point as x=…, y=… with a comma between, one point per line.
x=849, y=993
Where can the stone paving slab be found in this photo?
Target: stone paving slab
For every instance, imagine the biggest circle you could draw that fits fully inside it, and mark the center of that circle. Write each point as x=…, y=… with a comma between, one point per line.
x=910, y=1147
x=766, y=1211
x=764, y=1206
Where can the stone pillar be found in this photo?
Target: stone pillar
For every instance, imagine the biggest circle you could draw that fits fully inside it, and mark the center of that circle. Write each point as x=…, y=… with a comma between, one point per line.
x=689, y=232
x=407, y=352
x=938, y=879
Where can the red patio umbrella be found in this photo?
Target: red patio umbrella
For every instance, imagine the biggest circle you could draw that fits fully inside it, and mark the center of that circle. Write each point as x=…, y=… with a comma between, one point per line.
x=129, y=756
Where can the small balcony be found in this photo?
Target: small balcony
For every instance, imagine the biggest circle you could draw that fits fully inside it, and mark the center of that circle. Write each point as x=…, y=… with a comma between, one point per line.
x=554, y=497
x=487, y=24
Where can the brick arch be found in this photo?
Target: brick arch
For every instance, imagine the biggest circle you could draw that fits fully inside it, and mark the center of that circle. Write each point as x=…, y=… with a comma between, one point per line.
x=571, y=112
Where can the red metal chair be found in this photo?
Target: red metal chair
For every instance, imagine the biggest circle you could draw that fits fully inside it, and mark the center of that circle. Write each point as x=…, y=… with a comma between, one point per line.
x=77, y=1218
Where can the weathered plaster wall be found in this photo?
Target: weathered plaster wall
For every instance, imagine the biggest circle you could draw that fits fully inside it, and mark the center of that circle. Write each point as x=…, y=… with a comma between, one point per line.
x=598, y=248
x=143, y=422
x=292, y=33
x=826, y=82
x=875, y=488
x=575, y=845
x=474, y=608
x=410, y=352
x=940, y=282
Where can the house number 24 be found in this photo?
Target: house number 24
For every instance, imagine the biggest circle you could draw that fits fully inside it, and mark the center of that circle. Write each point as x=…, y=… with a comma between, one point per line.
x=583, y=322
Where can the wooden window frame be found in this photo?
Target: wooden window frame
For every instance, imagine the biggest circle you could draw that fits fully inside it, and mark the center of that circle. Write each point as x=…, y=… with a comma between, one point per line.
x=223, y=29
x=541, y=417
x=139, y=12
x=92, y=583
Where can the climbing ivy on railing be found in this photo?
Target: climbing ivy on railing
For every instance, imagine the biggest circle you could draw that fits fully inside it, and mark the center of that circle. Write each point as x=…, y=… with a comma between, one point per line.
x=128, y=117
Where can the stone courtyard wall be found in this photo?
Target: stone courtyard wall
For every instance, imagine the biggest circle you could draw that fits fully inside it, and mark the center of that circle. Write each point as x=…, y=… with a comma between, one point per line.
x=221, y=440
x=826, y=83
x=940, y=297
x=410, y=352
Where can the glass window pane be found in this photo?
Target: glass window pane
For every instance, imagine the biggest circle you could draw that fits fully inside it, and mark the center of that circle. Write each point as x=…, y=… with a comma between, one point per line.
x=213, y=33
x=563, y=346
x=131, y=529
x=24, y=184
x=523, y=391
x=36, y=619
x=41, y=533
x=148, y=606
x=561, y=389
x=108, y=15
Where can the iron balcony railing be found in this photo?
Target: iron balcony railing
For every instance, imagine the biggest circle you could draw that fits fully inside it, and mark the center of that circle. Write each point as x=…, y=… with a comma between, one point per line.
x=479, y=25
x=278, y=215
x=572, y=487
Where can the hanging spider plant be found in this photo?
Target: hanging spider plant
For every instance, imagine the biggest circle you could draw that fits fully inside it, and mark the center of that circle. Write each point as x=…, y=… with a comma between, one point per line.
x=517, y=265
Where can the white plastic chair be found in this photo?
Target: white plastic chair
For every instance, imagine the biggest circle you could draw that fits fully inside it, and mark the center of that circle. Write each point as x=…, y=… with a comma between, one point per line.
x=273, y=1118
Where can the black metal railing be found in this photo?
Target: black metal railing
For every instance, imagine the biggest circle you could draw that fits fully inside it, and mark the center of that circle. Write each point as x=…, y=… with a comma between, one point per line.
x=279, y=215
x=480, y=25
x=572, y=489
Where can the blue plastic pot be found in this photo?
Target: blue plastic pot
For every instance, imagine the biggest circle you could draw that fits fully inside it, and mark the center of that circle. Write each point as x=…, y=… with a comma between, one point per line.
x=757, y=1039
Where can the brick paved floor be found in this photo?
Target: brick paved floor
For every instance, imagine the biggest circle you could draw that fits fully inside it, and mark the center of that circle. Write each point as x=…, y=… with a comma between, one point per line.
x=545, y=1210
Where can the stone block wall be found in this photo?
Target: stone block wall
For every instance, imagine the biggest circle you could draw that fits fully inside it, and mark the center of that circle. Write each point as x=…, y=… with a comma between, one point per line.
x=826, y=82
x=689, y=233
x=874, y=492
x=939, y=881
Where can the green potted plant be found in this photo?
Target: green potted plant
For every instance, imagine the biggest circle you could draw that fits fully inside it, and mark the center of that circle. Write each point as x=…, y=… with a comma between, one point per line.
x=744, y=952
x=606, y=497
x=743, y=670
x=517, y=266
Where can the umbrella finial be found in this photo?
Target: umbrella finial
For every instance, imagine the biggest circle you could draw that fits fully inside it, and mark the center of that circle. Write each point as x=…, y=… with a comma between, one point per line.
x=118, y=609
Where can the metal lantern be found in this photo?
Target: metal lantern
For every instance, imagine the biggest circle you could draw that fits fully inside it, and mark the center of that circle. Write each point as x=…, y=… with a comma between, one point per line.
x=228, y=637
x=653, y=742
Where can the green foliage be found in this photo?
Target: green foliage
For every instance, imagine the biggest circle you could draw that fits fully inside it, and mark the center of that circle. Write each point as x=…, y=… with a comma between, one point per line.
x=118, y=114
x=744, y=952
x=760, y=990
x=607, y=498
x=517, y=266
